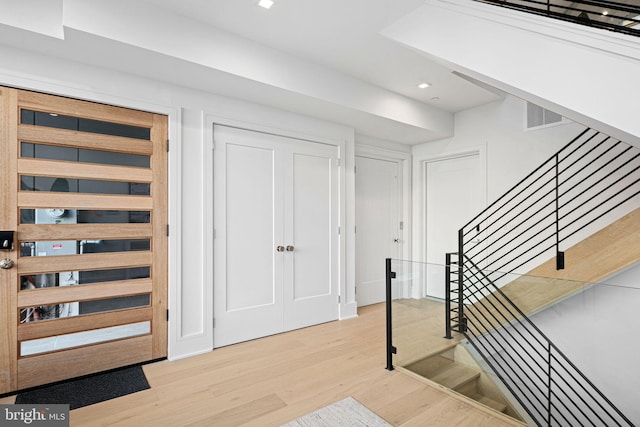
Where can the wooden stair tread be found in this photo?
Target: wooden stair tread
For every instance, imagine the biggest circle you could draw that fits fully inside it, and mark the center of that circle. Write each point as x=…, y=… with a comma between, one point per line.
x=598, y=256
x=455, y=376
x=487, y=401
x=429, y=366
x=444, y=371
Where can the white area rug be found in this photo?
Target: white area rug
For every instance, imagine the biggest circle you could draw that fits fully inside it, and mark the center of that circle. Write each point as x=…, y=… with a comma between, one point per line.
x=345, y=413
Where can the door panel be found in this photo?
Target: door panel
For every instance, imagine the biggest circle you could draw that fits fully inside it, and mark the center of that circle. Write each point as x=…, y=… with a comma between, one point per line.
x=80, y=290
x=276, y=217
x=250, y=225
x=311, y=223
x=378, y=213
x=248, y=271
x=454, y=192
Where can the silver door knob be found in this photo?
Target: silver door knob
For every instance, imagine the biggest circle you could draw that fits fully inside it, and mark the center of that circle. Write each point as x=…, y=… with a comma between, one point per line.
x=6, y=264
x=396, y=240
x=290, y=248
x=280, y=248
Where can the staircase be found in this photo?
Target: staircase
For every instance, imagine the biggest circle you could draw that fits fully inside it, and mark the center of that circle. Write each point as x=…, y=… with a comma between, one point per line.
x=578, y=206
x=442, y=368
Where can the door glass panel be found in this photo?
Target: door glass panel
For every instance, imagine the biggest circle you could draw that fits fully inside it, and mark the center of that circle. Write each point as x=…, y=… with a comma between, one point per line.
x=73, y=247
x=66, y=185
x=77, y=308
x=60, y=121
x=28, y=216
x=34, y=281
x=60, y=342
x=51, y=152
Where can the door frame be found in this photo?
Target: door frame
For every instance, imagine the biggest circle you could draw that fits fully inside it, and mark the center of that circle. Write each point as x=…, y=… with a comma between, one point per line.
x=403, y=160
x=420, y=194
x=347, y=307
x=174, y=175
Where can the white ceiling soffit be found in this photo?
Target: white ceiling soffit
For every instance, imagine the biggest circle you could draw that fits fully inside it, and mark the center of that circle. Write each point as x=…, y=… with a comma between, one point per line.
x=351, y=75
x=39, y=16
x=341, y=35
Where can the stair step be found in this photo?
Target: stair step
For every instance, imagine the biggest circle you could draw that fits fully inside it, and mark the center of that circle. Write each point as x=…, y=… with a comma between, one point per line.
x=429, y=366
x=493, y=404
x=455, y=376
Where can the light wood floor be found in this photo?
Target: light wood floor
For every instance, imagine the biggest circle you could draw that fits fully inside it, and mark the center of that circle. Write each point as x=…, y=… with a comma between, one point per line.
x=273, y=380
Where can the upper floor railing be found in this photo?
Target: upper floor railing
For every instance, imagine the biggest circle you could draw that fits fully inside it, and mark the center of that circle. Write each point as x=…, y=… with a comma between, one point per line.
x=622, y=16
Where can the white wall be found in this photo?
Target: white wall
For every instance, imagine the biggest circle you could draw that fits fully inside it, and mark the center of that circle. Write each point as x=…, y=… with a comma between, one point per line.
x=596, y=329
x=510, y=152
x=190, y=115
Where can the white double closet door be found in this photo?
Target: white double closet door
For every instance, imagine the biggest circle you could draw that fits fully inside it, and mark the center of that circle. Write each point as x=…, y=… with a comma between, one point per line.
x=276, y=251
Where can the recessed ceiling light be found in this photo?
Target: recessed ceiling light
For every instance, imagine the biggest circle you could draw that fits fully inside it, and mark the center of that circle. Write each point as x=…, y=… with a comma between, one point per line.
x=265, y=3
x=424, y=85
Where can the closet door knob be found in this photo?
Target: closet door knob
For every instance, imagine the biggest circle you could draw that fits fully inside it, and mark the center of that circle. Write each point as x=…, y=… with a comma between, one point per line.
x=280, y=248
x=290, y=248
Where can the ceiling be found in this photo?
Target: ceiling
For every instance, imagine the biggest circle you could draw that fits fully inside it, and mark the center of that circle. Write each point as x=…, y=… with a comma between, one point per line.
x=342, y=35
x=325, y=59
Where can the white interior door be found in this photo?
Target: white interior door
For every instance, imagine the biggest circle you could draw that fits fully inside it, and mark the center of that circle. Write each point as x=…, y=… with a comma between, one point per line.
x=454, y=194
x=248, y=270
x=276, y=248
x=311, y=235
x=378, y=234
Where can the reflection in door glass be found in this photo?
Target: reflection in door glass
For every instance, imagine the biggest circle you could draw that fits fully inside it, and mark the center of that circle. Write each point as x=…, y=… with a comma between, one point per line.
x=35, y=281
x=28, y=216
x=77, y=308
x=92, y=186
x=61, y=342
x=73, y=247
x=69, y=154
x=60, y=121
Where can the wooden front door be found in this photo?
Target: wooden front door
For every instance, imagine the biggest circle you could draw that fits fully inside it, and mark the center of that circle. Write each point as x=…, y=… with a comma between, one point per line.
x=83, y=190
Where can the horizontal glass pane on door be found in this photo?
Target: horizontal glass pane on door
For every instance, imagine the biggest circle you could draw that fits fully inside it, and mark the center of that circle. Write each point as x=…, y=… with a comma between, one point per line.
x=55, y=216
x=61, y=342
x=75, y=247
x=78, y=308
x=60, y=121
x=81, y=155
x=92, y=186
x=69, y=278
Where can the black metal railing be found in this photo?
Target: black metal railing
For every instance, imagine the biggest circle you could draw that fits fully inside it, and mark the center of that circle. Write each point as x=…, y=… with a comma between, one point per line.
x=391, y=350
x=621, y=16
x=589, y=181
x=546, y=384
x=583, y=187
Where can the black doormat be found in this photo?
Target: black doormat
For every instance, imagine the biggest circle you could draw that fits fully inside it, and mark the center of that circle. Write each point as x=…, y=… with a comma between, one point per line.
x=88, y=390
